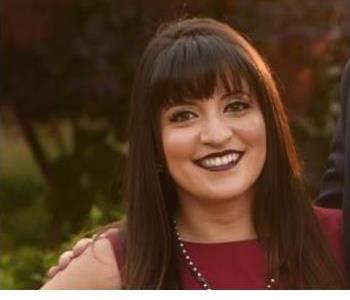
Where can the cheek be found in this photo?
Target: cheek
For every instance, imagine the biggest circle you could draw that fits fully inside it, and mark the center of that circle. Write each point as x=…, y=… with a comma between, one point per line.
x=258, y=131
x=177, y=145
x=253, y=133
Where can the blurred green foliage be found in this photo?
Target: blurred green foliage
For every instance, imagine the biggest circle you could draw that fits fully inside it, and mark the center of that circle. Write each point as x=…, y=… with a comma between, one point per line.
x=65, y=86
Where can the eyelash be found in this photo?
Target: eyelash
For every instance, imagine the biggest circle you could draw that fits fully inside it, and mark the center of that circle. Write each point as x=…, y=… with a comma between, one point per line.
x=176, y=116
x=186, y=115
x=238, y=106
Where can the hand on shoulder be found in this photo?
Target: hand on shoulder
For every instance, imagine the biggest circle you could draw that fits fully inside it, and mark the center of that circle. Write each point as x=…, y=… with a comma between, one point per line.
x=94, y=268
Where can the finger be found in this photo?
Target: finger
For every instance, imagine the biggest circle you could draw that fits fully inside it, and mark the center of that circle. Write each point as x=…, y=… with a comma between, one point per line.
x=80, y=246
x=52, y=271
x=64, y=259
x=102, y=235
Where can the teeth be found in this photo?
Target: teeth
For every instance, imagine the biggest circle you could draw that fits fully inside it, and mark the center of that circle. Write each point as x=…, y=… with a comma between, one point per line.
x=220, y=161
x=235, y=156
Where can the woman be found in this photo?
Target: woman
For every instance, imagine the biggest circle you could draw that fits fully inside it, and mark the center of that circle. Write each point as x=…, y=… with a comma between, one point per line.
x=215, y=196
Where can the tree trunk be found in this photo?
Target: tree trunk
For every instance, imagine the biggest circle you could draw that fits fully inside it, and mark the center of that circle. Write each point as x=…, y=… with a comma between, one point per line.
x=34, y=143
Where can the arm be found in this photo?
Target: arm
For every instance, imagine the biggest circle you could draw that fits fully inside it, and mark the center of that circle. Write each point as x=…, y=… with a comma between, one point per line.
x=95, y=268
x=331, y=192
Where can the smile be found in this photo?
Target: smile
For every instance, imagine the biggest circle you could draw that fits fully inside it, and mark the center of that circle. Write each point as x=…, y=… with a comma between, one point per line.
x=220, y=161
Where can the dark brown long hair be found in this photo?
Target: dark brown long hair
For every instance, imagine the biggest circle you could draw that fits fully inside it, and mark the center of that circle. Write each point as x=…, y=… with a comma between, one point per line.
x=186, y=59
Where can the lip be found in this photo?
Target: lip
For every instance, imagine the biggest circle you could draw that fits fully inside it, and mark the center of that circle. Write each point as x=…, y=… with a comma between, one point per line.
x=216, y=154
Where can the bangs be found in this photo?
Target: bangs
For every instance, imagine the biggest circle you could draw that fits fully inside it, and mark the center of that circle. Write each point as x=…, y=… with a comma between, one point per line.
x=193, y=67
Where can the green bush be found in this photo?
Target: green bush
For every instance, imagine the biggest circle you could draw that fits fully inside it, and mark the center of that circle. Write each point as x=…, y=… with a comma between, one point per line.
x=22, y=269
x=26, y=256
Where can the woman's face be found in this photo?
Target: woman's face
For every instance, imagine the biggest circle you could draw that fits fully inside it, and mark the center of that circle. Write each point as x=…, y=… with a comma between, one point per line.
x=215, y=149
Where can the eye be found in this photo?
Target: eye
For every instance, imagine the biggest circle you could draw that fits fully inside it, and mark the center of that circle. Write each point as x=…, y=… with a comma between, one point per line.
x=236, y=106
x=182, y=116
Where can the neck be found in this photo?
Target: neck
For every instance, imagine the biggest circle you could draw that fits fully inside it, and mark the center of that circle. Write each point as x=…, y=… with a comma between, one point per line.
x=209, y=221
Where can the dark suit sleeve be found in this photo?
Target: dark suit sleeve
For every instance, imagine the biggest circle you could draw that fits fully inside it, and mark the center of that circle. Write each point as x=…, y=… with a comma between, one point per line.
x=336, y=181
x=331, y=192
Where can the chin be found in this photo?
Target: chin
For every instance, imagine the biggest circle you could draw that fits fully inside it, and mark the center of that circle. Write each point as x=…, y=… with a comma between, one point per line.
x=222, y=194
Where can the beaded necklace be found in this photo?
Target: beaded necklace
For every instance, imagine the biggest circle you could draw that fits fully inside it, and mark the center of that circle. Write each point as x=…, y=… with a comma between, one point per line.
x=194, y=269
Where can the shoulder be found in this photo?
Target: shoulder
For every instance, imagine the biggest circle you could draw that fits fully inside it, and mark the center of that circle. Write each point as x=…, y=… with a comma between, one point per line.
x=331, y=222
x=95, y=268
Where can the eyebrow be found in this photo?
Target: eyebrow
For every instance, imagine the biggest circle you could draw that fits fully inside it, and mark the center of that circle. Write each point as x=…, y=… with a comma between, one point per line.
x=221, y=98
x=234, y=93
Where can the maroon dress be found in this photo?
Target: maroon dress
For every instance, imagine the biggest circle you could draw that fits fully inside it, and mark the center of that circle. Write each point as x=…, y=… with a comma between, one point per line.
x=241, y=264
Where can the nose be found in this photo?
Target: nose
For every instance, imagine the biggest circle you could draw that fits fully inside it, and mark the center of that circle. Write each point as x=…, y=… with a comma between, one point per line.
x=215, y=132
